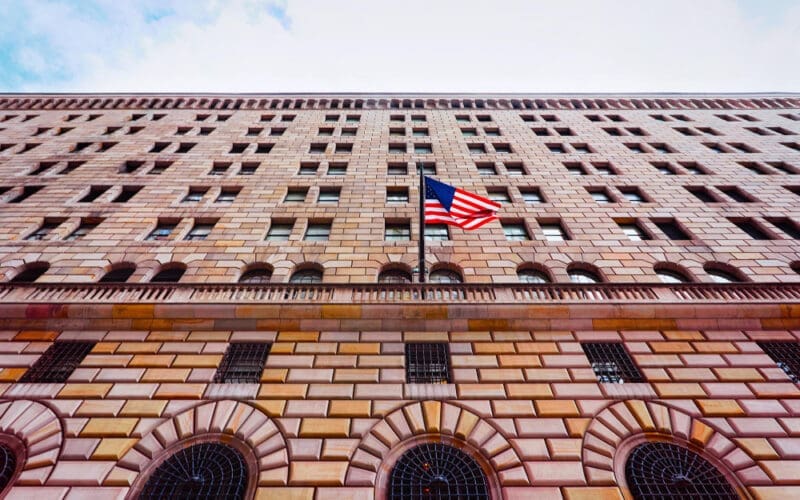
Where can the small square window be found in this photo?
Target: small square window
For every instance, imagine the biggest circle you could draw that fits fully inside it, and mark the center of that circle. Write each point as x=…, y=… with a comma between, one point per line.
x=180, y=131
x=633, y=231
x=463, y=118
x=575, y=169
x=331, y=118
x=476, y=148
x=541, y=131
x=329, y=195
x=550, y=118
x=317, y=148
x=611, y=363
x=514, y=169
x=227, y=195
x=502, y=148
x=249, y=168
x=429, y=168
x=276, y=132
x=418, y=118
x=556, y=148
x=531, y=195
x=397, y=148
x=325, y=131
x=287, y=118
x=238, y=148
x=397, y=231
x=553, y=231
x=397, y=118
x=44, y=230
x=85, y=227
x=344, y=148
x=194, y=195
x=486, y=168
x=672, y=229
x=636, y=148
x=219, y=168
x=786, y=355
x=243, y=362
x=423, y=149
x=203, y=130
x=427, y=363
x=600, y=196
x=318, y=232
x=604, y=168
x=397, y=195
x=436, y=232
x=349, y=132
x=162, y=231
x=515, y=232
x=582, y=148
x=420, y=132
x=337, y=169
x=200, y=231
x=492, y=132
x=353, y=118
x=469, y=132
x=499, y=195
x=280, y=231
x=632, y=194
x=58, y=362
x=264, y=148
x=296, y=195
x=159, y=167
x=308, y=169
x=253, y=131
x=397, y=131
x=397, y=169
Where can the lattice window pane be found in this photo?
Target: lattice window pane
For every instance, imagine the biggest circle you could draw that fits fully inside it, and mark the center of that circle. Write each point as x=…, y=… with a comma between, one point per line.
x=656, y=471
x=201, y=471
x=786, y=355
x=427, y=363
x=8, y=466
x=611, y=363
x=58, y=362
x=243, y=363
x=437, y=471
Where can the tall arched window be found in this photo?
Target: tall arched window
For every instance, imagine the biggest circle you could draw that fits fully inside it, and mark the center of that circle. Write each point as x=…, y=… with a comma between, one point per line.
x=531, y=275
x=583, y=276
x=394, y=275
x=8, y=466
x=256, y=274
x=445, y=276
x=723, y=273
x=436, y=470
x=169, y=274
x=666, y=470
x=671, y=273
x=201, y=471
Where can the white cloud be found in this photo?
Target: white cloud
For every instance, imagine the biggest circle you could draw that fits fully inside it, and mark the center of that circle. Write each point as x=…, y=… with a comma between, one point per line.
x=423, y=45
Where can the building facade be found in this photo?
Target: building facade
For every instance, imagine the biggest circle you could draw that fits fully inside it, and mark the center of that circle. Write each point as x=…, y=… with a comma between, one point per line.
x=217, y=296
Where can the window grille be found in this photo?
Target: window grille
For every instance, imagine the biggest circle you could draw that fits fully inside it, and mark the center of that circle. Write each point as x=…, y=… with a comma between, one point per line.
x=201, y=471
x=58, y=362
x=656, y=471
x=427, y=363
x=8, y=466
x=786, y=355
x=611, y=363
x=243, y=363
x=435, y=470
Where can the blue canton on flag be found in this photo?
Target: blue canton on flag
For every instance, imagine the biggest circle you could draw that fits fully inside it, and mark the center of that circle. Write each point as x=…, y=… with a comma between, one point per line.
x=445, y=204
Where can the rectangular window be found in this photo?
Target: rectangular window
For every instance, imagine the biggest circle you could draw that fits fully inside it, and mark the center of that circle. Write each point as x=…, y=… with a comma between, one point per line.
x=515, y=231
x=27, y=192
x=318, y=232
x=329, y=195
x=499, y=195
x=317, y=148
x=693, y=168
x=553, y=231
x=325, y=131
x=397, y=231
x=599, y=195
x=219, y=168
x=71, y=166
x=427, y=363
x=194, y=195
x=531, y=195
x=575, y=168
x=295, y=195
x=783, y=167
x=787, y=225
x=702, y=193
x=157, y=147
x=786, y=355
x=582, y=148
x=752, y=229
x=672, y=230
x=633, y=194
x=502, y=148
x=754, y=167
x=604, y=168
x=344, y=148
x=397, y=195
x=486, y=168
x=242, y=363
x=397, y=169
x=200, y=231
x=556, y=148
x=515, y=169
x=185, y=147
x=436, y=232
x=129, y=166
x=633, y=231
x=469, y=132
x=58, y=362
x=44, y=230
x=611, y=363
x=308, y=168
x=280, y=231
x=43, y=167
x=349, y=132
x=254, y=131
x=162, y=231
x=429, y=168
x=126, y=194
x=86, y=226
x=160, y=167
x=737, y=194
x=264, y=148
x=249, y=168
x=227, y=195
x=424, y=149
x=276, y=131
x=397, y=148
x=476, y=149
x=338, y=168
x=420, y=132
x=636, y=148
x=94, y=193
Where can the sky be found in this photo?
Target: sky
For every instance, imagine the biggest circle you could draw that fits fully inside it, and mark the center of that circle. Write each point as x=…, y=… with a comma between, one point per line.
x=563, y=46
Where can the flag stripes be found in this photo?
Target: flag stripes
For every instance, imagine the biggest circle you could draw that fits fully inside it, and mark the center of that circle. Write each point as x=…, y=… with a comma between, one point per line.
x=466, y=210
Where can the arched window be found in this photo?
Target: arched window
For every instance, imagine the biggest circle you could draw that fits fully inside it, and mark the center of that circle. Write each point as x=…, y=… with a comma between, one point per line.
x=436, y=470
x=31, y=273
x=306, y=276
x=256, y=275
x=667, y=470
x=205, y=470
x=445, y=276
x=583, y=276
x=795, y=266
x=8, y=466
x=170, y=274
x=668, y=273
x=722, y=273
x=394, y=275
x=531, y=275
x=119, y=274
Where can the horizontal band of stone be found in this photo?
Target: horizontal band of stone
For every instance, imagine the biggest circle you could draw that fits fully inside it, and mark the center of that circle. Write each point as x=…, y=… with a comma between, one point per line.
x=411, y=102
x=385, y=293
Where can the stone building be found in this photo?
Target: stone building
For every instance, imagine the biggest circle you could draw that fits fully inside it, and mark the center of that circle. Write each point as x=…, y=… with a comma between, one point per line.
x=217, y=295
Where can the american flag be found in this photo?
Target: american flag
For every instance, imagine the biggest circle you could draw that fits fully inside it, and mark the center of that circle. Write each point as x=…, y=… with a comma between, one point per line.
x=445, y=204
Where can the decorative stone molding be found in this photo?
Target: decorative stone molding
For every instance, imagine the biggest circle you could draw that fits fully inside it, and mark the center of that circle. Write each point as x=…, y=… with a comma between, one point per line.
x=434, y=421
x=235, y=423
x=39, y=433
x=615, y=431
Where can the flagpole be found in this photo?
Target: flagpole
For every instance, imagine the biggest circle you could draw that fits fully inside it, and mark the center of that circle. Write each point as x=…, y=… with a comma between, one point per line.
x=421, y=222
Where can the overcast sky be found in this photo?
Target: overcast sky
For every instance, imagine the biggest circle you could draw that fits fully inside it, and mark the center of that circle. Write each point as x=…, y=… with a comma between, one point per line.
x=399, y=46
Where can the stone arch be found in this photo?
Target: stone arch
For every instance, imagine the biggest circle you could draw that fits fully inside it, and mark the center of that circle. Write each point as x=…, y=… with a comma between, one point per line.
x=228, y=421
x=615, y=430
x=40, y=436
x=432, y=421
